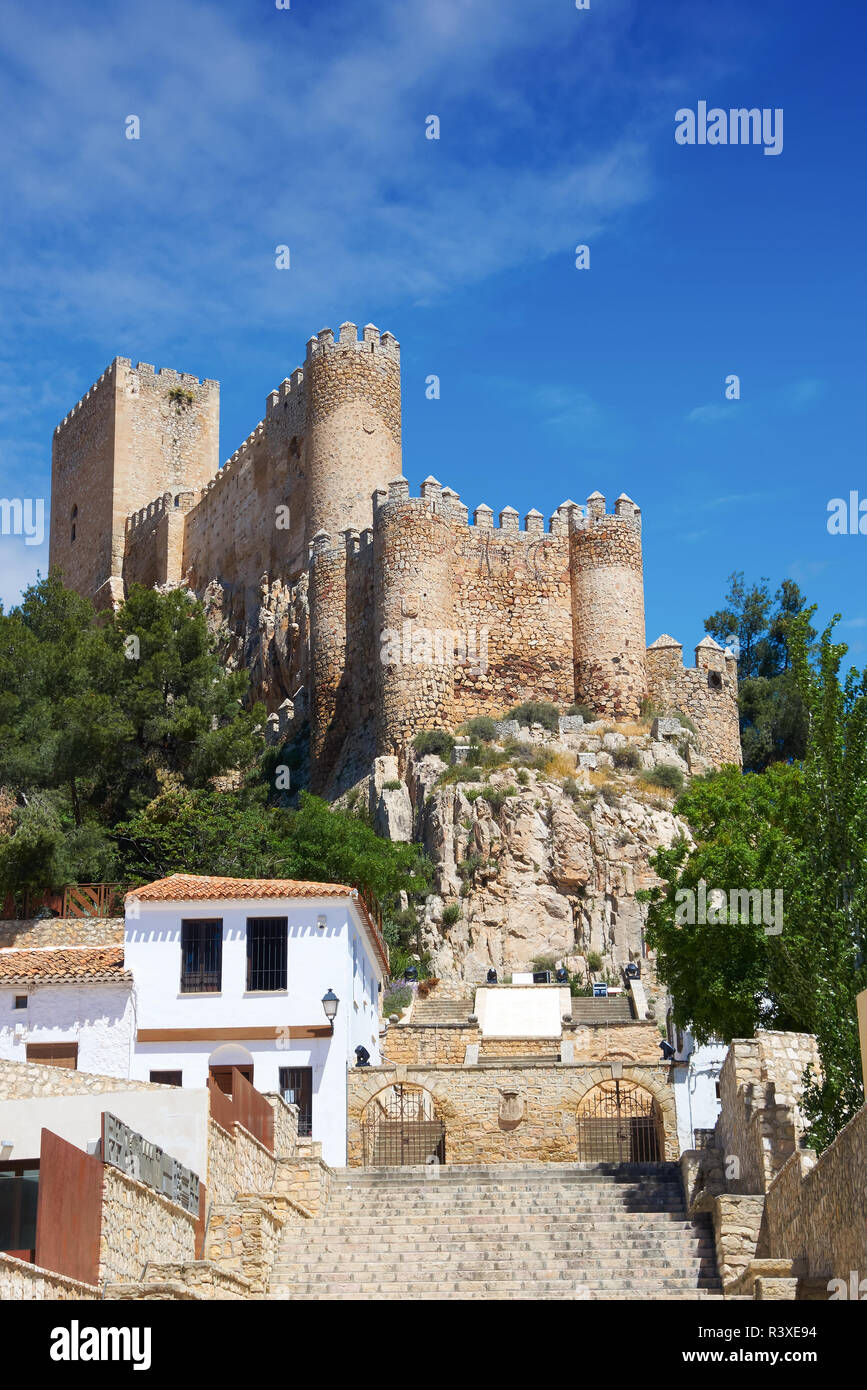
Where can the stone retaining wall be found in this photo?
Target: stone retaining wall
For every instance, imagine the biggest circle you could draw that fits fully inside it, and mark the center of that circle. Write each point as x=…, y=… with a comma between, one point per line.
x=21, y=1280
x=140, y=1226
x=514, y=1112
x=61, y=931
x=815, y=1210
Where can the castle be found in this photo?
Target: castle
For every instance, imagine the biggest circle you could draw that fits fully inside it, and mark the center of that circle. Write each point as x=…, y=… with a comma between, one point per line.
x=369, y=612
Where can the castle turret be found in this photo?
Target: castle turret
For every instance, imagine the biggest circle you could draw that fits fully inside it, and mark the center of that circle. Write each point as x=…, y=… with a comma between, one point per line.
x=353, y=425
x=138, y=435
x=414, y=563
x=608, y=606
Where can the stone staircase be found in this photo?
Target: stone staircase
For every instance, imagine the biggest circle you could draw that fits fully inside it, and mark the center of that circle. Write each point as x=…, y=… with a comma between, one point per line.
x=441, y=1010
x=588, y=1011
x=505, y=1231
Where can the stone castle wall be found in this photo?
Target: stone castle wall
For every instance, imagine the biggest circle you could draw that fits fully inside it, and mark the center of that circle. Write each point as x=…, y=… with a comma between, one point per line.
x=309, y=553
x=707, y=693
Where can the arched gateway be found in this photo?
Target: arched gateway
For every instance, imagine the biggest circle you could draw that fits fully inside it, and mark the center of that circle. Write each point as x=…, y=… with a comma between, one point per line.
x=619, y=1121
x=401, y=1125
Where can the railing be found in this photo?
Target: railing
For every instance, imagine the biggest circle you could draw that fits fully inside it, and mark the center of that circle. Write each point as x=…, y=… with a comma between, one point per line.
x=245, y=1106
x=75, y=900
x=373, y=913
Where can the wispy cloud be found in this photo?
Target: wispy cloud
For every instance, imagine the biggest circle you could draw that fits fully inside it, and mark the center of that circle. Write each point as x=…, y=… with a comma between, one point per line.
x=714, y=414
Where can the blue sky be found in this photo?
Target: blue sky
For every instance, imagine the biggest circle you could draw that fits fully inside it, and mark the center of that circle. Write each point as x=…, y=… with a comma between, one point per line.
x=306, y=127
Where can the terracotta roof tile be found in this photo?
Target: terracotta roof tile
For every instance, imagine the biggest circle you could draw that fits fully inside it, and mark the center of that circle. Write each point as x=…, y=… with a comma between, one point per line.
x=195, y=887
x=63, y=965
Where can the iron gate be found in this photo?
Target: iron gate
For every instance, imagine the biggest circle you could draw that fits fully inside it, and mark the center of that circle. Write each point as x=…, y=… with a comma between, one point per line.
x=619, y=1122
x=403, y=1128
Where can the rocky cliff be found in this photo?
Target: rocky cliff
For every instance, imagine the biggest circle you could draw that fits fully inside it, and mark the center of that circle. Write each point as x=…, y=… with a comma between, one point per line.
x=542, y=851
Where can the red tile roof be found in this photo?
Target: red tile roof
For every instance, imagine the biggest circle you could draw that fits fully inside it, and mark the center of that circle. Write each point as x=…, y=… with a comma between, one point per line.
x=63, y=965
x=201, y=888
x=195, y=888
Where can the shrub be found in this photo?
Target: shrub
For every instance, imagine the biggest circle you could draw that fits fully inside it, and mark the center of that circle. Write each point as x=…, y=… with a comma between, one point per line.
x=594, y=960
x=392, y=786
x=626, y=758
x=544, y=962
x=481, y=728
x=537, y=712
x=610, y=796
x=472, y=774
x=451, y=914
x=668, y=776
x=584, y=711
x=467, y=867
x=571, y=788
x=394, y=1001
x=434, y=741
x=497, y=796
x=523, y=777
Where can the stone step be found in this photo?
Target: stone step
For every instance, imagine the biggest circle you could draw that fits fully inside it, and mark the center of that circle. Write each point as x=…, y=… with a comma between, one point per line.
x=420, y=1283
x=530, y=1231
x=616, y=1009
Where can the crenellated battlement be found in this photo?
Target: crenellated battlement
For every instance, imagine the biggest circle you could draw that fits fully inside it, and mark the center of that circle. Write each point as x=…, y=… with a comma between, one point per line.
x=108, y=376
x=444, y=501
x=371, y=341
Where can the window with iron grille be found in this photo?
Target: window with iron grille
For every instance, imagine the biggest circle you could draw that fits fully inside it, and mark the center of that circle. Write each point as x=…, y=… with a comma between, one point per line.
x=167, y=1078
x=296, y=1088
x=201, y=957
x=267, y=939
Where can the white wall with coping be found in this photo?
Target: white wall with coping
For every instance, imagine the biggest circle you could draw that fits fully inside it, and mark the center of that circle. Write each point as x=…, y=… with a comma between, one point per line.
x=338, y=956
x=176, y=1120
x=98, y=1016
x=522, y=1011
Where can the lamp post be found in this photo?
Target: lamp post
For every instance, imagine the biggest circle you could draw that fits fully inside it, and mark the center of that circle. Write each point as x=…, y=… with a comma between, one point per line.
x=329, y=1004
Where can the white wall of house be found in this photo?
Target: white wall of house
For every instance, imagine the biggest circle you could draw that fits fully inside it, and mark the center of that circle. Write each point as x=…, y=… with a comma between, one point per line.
x=695, y=1075
x=338, y=956
x=97, y=1016
x=175, y=1120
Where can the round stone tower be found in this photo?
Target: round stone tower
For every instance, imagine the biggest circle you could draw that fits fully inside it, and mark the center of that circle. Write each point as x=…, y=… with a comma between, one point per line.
x=608, y=607
x=353, y=426
x=414, y=640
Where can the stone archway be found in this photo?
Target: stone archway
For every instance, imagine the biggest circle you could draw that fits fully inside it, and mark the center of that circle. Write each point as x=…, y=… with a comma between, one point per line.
x=402, y=1126
x=660, y=1105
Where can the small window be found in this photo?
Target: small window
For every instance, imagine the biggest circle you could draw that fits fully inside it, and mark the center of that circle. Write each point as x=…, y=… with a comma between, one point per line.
x=20, y=1001
x=74, y=517
x=717, y=1091
x=167, y=1078
x=296, y=1088
x=267, y=939
x=714, y=680
x=54, y=1054
x=201, y=956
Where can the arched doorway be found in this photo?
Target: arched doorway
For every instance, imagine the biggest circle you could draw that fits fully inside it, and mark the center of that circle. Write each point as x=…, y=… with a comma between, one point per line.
x=620, y=1122
x=226, y=1059
x=401, y=1126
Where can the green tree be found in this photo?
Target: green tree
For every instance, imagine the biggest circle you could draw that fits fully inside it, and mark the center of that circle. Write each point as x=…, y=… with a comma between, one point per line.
x=95, y=710
x=800, y=829
x=236, y=834
x=773, y=719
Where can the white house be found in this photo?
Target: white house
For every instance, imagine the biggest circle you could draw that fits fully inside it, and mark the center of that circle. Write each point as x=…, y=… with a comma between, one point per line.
x=695, y=1076
x=69, y=1006
x=234, y=972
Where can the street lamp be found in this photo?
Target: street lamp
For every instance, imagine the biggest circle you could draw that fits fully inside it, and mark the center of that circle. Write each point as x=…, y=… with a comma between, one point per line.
x=329, y=1004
